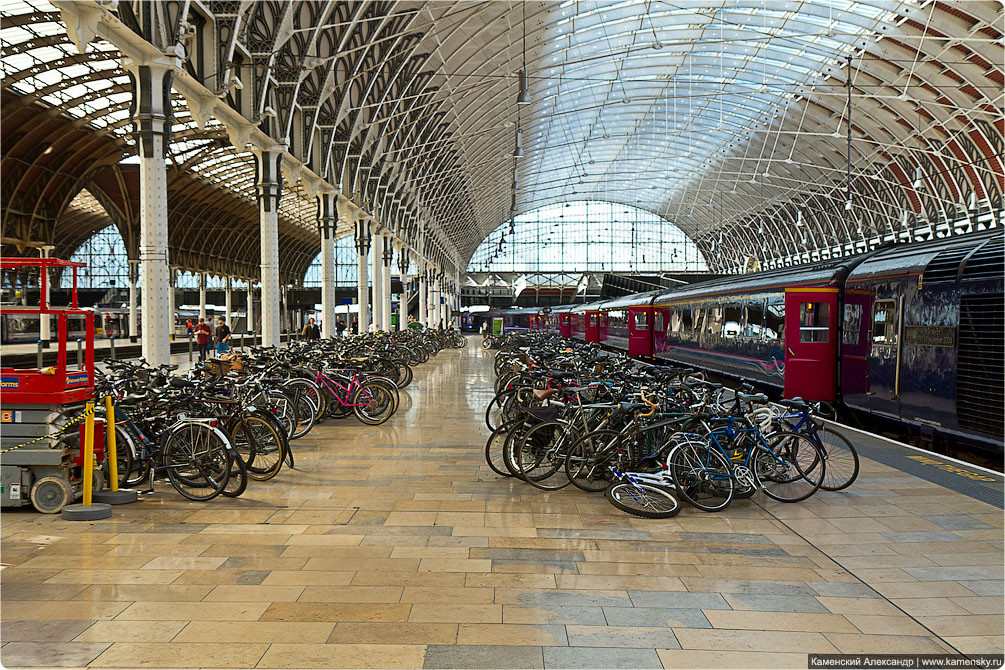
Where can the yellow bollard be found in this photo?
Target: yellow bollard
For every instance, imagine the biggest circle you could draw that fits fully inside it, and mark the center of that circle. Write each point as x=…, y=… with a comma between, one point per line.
x=111, y=453
x=88, y=476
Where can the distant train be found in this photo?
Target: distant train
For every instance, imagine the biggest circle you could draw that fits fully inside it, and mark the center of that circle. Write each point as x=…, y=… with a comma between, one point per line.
x=912, y=333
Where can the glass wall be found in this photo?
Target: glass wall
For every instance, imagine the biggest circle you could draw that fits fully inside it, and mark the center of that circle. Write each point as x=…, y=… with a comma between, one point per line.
x=587, y=236
x=345, y=265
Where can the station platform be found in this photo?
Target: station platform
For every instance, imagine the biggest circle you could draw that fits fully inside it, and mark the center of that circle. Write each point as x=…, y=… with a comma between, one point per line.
x=396, y=547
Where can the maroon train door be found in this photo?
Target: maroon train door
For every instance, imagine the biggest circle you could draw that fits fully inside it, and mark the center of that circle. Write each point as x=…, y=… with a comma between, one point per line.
x=565, y=325
x=640, y=342
x=855, y=344
x=811, y=343
x=592, y=333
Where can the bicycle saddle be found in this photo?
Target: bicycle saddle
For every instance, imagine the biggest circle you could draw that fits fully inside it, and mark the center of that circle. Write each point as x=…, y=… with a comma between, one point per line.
x=794, y=403
x=632, y=406
x=131, y=399
x=544, y=394
x=558, y=374
x=752, y=397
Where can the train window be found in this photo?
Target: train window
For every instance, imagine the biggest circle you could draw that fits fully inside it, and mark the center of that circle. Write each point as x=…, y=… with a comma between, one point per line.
x=774, y=318
x=732, y=314
x=658, y=327
x=814, y=321
x=591, y=320
x=852, y=324
x=713, y=320
x=754, y=327
x=641, y=320
x=884, y=323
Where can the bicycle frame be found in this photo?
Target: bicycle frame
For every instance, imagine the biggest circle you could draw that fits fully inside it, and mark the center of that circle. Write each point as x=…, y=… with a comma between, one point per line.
x=322, y=379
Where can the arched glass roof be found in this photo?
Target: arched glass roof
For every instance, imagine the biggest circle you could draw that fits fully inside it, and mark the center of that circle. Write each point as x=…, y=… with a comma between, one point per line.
x=587, y=236
x=721, y=116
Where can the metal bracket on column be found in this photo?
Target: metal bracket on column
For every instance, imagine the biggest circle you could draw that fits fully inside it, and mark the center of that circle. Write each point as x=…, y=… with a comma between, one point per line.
x=388, y=251
x=403, y=262
x=362, y=237
x=269, y=184
x=327, y=216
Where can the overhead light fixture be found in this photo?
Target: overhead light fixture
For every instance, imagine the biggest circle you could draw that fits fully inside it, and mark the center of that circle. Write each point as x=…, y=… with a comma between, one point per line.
x=524, y=97
x=518, y=151
x=847, y=206
x=799, y=217
x=918, y=178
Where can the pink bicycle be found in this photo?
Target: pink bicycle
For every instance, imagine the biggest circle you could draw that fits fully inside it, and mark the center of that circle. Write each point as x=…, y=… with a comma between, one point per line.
x=372, y=399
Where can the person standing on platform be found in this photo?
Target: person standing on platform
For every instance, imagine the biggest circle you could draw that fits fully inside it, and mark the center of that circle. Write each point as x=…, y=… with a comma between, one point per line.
x=222, y=337
x=188, y=326
x=339, y=326
x=203, y=332
x=311, y=331
x=355, y=324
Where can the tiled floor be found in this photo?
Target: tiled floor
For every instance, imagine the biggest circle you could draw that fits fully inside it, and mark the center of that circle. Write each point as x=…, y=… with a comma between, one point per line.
x=396, y=547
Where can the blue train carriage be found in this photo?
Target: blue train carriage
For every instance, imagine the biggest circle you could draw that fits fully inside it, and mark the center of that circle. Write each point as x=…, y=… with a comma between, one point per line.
x=922, y=340
x=777, y=329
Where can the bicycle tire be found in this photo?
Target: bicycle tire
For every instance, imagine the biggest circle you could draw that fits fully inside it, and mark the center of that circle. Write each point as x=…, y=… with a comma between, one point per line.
x=494, y=453
x=539, y=444
x=372, y=404
x=841, y=458
x=237, y=483
x=702, y=476
x=196, y=459
x=259, y=444
x=595, y=478
x=793, y=459
x=632, y=497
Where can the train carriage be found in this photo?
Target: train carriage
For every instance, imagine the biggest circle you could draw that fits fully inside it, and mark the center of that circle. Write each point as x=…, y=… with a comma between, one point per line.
x=775, y=328
x=630, y=323
x=922, y=337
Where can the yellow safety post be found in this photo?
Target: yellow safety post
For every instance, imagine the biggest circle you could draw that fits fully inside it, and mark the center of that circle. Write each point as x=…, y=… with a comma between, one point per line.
x=112, y=455
x=88, y=476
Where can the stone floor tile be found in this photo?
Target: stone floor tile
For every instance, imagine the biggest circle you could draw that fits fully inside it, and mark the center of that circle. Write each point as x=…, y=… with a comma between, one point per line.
x=399, y=633
x=44, y=610
x=482, y=657
x=854, y=643
x=133, y=631
x=975, y=624
x=50, y=631
x=753, y=640
x=780, y=621
x=177, y=654
x=193, y=611
x=455, y=613
x=977, y=644
x=593, y=616
x=561, y=658
x=679, y=600
x=350, y=594
x=511, y=634
x=621, y=636
x=931, y=606
x=655, y=616
x=691, y=658
x=875, y=606
x=770, y=603
x=51, y=654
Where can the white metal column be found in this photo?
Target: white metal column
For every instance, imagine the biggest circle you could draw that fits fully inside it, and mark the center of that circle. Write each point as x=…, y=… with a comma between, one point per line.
x=230, y=301
x=362, y=290
x=151, y=119
x=423, y=294
x=172, y=278
x=269, y=188
x=327, y=224
x=202, y=296
x=134, y=300
x=378, y=275
x=45, y=330
x=385, y=283
x=249, y=326
x=403, y=263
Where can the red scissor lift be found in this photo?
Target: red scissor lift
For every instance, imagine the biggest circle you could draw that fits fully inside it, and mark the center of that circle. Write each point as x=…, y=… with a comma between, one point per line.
x=38, y=466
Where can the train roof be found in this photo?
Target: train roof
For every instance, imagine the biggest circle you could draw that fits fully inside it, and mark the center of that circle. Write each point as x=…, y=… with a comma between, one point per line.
x=587, y=307
x=631, y=300
x=825, y=272
x=937, y=260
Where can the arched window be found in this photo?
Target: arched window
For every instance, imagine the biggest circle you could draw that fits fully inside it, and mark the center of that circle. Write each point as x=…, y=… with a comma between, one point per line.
x=106, y=259
x=587, y=236
x=346, y=272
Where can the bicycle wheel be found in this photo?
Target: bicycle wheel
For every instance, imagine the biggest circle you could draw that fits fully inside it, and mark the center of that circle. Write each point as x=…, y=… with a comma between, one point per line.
x=842, y=460
x=791, y=469
x=284, y=409
x=258, y=442
x=589, y=461
x=238, y=481
x=373, y=404
x=645, y=500
x=306, y=396
x=701, y=475
x=494, y=450
x=124, y=457
x=493, y=413
x=197, y=461
x=541, y=454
